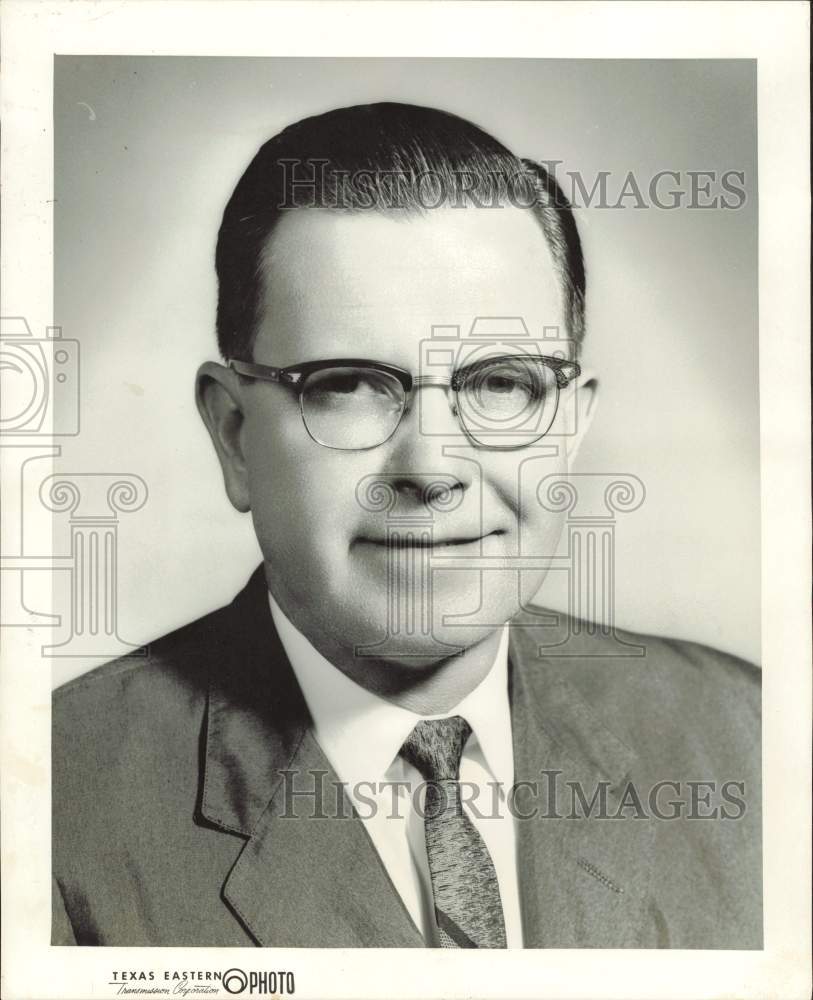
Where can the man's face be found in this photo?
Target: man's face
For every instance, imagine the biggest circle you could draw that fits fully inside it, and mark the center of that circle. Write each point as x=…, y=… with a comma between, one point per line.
x=373, y=286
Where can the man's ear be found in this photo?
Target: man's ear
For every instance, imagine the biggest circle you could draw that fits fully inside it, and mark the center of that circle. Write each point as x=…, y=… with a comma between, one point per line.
x=217, y=392
x=586, y=391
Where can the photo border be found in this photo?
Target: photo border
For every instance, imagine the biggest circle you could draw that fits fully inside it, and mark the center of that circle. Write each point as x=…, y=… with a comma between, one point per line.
x=774, y=33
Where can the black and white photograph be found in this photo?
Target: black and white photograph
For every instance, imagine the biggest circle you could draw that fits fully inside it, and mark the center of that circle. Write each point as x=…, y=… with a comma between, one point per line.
x=392, y=514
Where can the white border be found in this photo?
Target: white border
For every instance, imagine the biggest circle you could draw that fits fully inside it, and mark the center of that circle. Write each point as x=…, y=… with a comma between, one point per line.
x=776, y=35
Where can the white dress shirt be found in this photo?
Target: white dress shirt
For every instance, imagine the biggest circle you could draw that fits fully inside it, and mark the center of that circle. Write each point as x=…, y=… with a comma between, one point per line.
x=361, y=735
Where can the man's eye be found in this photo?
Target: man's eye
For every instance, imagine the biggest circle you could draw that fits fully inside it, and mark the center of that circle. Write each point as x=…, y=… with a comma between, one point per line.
x=351, y=382
x=508, y=380
x=358, y=384
x=353, y=386
x=499, y=383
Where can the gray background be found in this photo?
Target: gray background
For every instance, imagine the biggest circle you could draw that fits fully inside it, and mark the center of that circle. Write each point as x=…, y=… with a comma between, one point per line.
x=147, y=151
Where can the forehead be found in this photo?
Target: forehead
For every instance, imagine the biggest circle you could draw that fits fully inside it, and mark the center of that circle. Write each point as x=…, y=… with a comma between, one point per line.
x=373, y=285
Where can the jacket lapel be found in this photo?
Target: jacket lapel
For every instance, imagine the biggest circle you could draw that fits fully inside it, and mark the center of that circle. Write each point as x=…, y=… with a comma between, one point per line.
x=308, y=874
x=310, y=878
x=583, y=879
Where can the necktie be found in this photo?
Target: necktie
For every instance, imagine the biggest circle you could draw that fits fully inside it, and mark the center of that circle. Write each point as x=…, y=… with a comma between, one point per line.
x=468, y=908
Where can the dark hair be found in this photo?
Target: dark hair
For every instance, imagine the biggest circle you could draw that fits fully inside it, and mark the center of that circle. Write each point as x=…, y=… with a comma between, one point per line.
x=384, y=157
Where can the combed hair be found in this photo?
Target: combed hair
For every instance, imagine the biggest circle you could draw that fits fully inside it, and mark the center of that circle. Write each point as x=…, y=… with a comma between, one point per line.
x=381, y=157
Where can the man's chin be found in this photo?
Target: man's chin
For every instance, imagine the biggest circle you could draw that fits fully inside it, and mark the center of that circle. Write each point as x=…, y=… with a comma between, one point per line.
x=418, y=628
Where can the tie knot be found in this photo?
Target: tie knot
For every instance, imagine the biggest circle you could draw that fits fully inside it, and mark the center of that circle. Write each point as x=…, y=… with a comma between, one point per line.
x=435, y=746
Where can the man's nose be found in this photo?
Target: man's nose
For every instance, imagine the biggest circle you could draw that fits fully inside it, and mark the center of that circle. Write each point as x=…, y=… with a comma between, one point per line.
x=426, y=443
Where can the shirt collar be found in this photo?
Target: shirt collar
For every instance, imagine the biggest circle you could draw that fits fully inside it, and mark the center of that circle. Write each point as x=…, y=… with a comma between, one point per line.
x=362, y=733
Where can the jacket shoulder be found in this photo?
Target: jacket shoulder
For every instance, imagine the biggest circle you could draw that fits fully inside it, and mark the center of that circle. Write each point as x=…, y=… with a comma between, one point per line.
x=164, y=655
x=659, y=695
x=565, y=637
x=137, y=697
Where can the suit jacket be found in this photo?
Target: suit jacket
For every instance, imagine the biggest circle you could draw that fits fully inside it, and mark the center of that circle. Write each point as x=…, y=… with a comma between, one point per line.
x=171, y=825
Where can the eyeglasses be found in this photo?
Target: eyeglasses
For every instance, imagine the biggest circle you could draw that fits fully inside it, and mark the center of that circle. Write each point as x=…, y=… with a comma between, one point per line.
x=352, y=404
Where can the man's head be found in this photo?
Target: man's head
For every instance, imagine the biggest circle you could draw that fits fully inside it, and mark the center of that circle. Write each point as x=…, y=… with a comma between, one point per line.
x=357, y=235
x=379, y=157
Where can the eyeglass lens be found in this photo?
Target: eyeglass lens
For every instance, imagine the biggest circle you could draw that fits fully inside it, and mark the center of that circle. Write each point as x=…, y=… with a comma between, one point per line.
x=351, y=408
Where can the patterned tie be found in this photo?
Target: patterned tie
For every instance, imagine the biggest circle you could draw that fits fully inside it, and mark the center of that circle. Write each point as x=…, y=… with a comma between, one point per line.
x=468, y=908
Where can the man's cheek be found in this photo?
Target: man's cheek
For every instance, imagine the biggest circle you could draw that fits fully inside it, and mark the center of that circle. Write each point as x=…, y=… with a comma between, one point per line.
x=540, y=527
x=323, y=517
x=520, y=479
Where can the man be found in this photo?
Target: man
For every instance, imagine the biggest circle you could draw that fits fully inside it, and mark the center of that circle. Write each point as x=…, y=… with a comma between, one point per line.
x=376, y=744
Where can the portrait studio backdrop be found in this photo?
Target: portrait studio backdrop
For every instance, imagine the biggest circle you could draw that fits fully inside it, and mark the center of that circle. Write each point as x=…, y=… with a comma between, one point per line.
x=147, y=153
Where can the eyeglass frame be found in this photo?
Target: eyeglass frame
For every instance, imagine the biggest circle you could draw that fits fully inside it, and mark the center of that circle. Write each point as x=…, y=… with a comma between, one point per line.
x=295, y=376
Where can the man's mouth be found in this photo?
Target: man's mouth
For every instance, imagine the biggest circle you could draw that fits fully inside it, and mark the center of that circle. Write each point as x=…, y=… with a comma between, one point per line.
x=406, y=539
